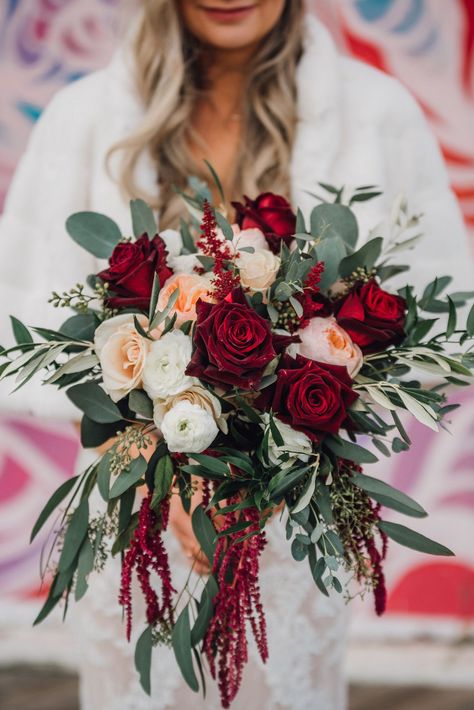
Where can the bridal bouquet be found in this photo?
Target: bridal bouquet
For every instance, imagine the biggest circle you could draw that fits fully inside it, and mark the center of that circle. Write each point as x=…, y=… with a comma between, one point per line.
x=250, y=369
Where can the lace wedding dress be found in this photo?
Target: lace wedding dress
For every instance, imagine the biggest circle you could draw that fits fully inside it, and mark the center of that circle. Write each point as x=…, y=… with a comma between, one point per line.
x=306, y=638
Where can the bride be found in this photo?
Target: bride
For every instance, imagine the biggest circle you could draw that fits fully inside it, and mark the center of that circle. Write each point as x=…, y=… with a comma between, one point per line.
x=256, y=88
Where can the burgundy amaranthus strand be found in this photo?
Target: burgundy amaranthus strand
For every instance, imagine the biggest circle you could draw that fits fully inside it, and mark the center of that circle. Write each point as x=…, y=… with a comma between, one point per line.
x=310, y=300
x=211, y=245
x=147, y=554
x=236, y=566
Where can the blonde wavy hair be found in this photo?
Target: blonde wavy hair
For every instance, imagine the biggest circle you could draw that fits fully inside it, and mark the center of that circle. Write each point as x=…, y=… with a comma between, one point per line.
x=166, y=63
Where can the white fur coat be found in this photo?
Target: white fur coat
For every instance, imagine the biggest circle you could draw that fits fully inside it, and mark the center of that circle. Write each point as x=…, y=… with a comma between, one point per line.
x=356, y=126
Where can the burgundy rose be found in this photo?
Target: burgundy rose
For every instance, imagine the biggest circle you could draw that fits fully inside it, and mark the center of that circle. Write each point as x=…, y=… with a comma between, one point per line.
x=373, y=317
x=270, y=213
x=233, y=343
x=131, y=271
x=313, y=397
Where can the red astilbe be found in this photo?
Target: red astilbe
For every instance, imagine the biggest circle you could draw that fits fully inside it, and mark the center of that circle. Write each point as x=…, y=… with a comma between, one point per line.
x=236, y=567
x=311, y=299
x=145, y=555
x=212, y=245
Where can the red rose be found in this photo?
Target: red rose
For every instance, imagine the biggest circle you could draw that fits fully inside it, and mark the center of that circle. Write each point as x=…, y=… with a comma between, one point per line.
x=233, y=344
x=311, y=396
x=131, y=271
x=270, y=213
x=373, y=317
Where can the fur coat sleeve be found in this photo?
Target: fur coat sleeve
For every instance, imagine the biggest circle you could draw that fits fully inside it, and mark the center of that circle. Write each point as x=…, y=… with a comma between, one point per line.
x=356, y=126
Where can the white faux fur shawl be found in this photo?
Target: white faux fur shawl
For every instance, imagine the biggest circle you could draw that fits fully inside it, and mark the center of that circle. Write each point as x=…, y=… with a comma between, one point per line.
x=356, y=126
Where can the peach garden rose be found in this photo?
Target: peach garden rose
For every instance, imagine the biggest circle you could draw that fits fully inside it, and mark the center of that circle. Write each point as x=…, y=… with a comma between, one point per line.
x=191, y=288
x=324, y=340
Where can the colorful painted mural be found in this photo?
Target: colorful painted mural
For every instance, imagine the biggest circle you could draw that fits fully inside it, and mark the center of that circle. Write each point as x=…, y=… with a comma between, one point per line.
x=430, y=47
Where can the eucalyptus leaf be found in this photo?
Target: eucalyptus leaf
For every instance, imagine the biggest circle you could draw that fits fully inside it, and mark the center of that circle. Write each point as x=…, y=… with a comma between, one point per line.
x=181, y=641
x=205, y=533
x=143, y=219
x=75, y=534
x=94, y=402
x=95, y=232
x=162, y=479
x=143, y=651
x=387, y=495
x=57, y=497
x=128, y=478
x=206, y=610
x=413, y=540
x=140, y=403
x=20, y=332
x=85, y=566
x=82, y=326
x=348, y=450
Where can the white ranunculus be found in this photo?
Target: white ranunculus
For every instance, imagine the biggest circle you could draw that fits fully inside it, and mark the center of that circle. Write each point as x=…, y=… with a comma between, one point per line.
x=258, y=270
x=164, y=372
x=173, y=242
x=195, y=395
x=122, y=354
x=188, y=428
x=295, y=443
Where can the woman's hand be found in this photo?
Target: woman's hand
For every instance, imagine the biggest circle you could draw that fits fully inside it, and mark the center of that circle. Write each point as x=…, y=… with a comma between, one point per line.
x=180, y=523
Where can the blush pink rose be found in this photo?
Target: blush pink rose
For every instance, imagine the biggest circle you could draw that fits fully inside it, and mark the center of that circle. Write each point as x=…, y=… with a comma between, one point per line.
x=325, y=341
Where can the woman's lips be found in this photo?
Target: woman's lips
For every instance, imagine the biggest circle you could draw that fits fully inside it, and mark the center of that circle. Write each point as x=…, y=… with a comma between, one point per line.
x=227, y=14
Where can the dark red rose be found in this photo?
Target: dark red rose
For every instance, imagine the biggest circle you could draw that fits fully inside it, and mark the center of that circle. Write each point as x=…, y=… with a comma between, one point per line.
x=233, y=344
x=270, y=213
x=131, y=271
x=312, y=397
x=373, y=317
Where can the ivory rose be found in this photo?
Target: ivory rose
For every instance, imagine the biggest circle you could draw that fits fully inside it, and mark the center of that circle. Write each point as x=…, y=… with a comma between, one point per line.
x=122, y=354
x=251, y=237
x=324, y=340
x=258, y=270
x=192, y=288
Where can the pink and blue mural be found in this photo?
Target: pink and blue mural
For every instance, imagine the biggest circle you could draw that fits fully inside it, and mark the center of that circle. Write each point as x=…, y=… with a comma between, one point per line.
x=429, y=46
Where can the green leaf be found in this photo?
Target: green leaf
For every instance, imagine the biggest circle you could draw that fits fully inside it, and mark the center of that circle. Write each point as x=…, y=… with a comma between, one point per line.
x=103, y=475
x=348, y=450
x=363, y=197
x=290, y=480
x=155, y=292
x=162, y=480
x=94, y=434
x=81, y=326
x=143, y=651
x=206, y=611
x=75, y=534
x=224, y=225
x=94, y=232
x=85, y=566
x=58, y=496
x=470, y=322
x=413, y=540
x=186, y=236
x=276, y=435
x=452, y=318
x=218, y=183
x=205, y=532
x=128, y=478
x=317, y=567
x=212, y=464
x=127, y=501
x=365, y=257
x=181, y=641
x=140, y=403
x=331, y=251
x=388, y=496
x=21, y=333
x=93, y=401
x=335, y=221
x=143, y=219
x=51, y=601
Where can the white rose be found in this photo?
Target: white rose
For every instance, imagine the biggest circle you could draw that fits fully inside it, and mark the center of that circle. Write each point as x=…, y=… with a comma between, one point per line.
x=173, y=242
x=250, y=238
x=195, y=395
x=164, y=372
x=324, y=340
x=188, y=428
x=295, y=443
x=122, y=354
x=258, y=270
